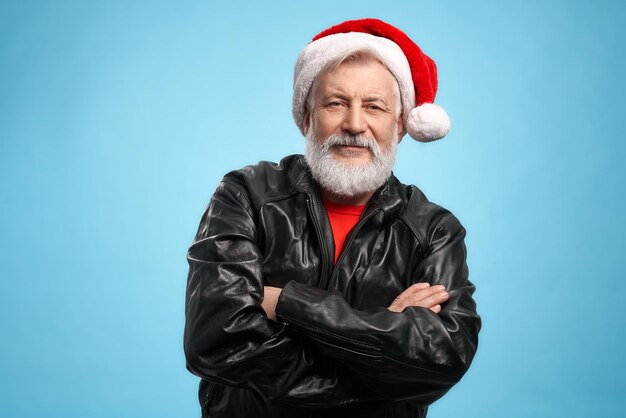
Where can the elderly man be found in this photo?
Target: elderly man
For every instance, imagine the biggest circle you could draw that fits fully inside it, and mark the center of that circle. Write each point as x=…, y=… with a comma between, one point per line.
x=322, y=286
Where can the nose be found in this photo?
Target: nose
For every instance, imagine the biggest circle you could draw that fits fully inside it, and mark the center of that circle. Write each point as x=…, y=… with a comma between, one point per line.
x=354, y=120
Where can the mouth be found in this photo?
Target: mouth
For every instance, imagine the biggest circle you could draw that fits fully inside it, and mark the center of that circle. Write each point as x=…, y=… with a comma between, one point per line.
x=352, y=148
x=351, y=151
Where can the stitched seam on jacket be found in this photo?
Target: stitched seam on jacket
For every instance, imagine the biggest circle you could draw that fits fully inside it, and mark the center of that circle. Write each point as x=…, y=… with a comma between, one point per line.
x=278, y=198
x=421, y=240
x=243, y=194
x=416, y=366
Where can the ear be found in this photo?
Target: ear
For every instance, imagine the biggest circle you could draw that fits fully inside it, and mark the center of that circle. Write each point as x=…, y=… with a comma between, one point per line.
x=306, y=121
x=400, y=129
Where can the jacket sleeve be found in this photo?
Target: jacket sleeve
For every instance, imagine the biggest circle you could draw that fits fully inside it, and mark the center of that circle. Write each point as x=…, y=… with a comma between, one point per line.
x=228, y=338
x=414, y=355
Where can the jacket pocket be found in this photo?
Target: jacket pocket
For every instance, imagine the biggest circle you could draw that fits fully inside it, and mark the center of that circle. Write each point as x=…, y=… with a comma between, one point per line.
x=349, y=348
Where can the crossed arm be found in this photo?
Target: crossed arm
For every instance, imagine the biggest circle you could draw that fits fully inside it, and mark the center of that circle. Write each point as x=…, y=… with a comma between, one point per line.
x=419, y=294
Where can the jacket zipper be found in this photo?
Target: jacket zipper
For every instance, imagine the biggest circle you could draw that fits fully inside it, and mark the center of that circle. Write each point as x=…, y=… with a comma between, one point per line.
x=320, y=238
x=346, y=246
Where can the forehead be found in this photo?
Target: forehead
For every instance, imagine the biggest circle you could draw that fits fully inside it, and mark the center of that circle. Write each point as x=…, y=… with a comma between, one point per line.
x=356, y=78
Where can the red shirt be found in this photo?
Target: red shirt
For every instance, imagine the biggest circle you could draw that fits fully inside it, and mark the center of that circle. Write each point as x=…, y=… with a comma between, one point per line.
x=342, y=220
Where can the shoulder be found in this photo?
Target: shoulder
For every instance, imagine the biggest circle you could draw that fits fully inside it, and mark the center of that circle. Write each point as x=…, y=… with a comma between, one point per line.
x=267, y=180
x=427, y=219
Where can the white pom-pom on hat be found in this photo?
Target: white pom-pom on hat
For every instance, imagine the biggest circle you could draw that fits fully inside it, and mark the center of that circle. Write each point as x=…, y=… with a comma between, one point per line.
x=415, y=72
x=427, y=122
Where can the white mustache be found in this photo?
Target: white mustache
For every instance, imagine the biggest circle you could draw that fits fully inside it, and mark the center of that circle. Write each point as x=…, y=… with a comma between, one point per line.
x=352, y=141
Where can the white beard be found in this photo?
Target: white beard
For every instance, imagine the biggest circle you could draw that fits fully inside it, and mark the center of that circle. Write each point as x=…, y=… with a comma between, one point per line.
x=349, y=179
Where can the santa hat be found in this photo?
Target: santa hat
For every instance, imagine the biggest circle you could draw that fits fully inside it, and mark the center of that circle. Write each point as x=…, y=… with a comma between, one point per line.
x=414, y=71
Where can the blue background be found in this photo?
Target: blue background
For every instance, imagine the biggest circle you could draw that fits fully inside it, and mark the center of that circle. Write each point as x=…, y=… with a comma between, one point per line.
x=118, y=118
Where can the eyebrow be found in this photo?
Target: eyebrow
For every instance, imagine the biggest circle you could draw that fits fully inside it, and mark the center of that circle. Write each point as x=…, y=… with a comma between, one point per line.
x=369, y=99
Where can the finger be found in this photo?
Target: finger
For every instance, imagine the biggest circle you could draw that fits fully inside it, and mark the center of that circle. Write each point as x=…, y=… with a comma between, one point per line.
x=432, y=300
x=417, y=286
x=398, y=303
x=424, y=293
x=436, y=308
x=413, y=289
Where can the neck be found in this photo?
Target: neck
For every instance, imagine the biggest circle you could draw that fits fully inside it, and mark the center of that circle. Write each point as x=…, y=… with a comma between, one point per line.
x=347, y=200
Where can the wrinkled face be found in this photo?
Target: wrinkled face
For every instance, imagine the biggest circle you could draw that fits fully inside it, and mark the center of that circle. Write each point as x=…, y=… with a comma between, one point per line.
x=353, y=128
x=358, y=99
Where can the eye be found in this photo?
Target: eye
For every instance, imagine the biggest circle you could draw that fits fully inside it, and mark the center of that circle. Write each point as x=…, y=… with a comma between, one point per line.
x=334, y=104
x=374, y=108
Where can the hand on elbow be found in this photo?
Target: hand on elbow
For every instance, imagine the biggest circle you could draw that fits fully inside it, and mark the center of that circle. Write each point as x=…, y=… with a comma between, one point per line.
x=420, y=294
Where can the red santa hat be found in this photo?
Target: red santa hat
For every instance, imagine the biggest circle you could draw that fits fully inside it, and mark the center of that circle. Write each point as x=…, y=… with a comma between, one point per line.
x=414, y=71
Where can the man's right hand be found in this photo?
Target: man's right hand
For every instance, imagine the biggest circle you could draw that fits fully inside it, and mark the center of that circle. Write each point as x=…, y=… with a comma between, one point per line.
x=420, y=294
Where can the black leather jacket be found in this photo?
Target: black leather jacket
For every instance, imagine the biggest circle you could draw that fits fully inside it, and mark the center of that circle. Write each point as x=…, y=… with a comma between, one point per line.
x=336, y=349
